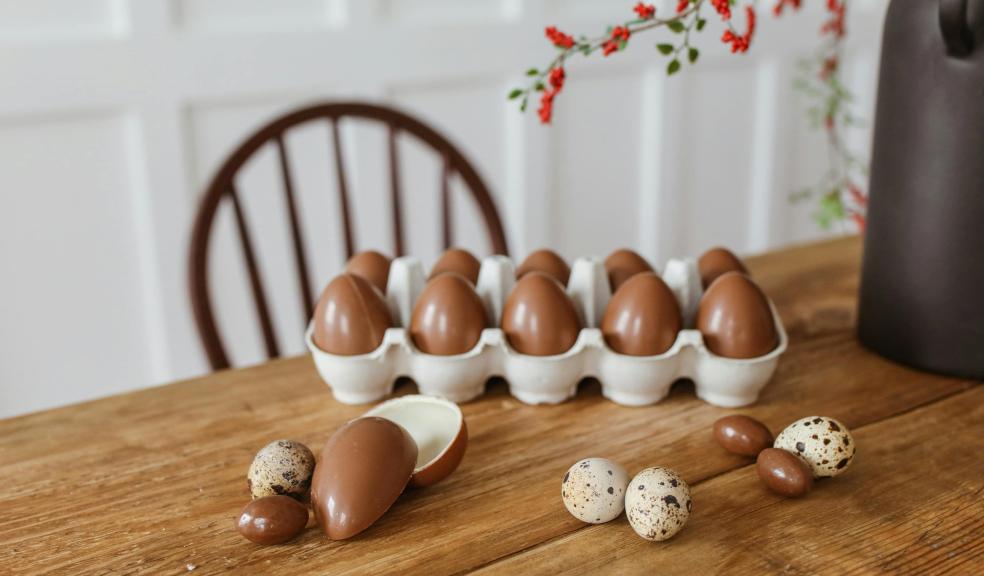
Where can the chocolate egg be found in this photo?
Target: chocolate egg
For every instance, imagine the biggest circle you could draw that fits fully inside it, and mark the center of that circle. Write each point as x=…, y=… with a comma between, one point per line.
x=539, y=318
x=448, y=318
x=351, y=317
x=548, y=262
x=372, y=266
x=272, y=520
x=784, y=473
x=718, y=261
x=363, y=469
x=742, y=434
x=642, y=318
x=436, y=426
x=457, y=260
x=735, y=319
x=623, y=264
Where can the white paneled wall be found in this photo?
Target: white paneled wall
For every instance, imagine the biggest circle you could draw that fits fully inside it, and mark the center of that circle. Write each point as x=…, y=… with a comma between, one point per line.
x=114, y=114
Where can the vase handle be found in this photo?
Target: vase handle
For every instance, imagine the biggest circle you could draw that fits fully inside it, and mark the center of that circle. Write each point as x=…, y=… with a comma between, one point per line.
x=953, y=24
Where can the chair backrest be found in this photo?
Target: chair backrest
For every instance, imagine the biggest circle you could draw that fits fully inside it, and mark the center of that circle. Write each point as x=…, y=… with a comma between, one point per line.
x=223, y=187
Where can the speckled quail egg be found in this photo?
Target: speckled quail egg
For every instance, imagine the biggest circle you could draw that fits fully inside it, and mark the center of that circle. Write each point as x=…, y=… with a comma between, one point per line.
x=282, y=467
x=657, y=503
x=823, y=443
x=594, y=490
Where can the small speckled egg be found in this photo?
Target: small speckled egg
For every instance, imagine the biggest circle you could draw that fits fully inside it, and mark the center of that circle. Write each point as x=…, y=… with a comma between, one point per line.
x=823, y=443
x=282, y=467
x=594, y=490
x=657, y=503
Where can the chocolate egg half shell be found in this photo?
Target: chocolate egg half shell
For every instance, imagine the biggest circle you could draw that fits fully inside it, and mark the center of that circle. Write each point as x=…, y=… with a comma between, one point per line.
x=735, y=319
x=539, y=318
x=643, y=317
x=363, y=469
x=548, y=262
x=351, y=317
x=372, y=266
x=623, y=264
x=436, y=426
x=457, y=260
x=449, y=316
x=718, y=261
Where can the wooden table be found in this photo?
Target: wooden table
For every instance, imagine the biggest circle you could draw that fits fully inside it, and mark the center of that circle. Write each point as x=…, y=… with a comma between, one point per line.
x=151, y=482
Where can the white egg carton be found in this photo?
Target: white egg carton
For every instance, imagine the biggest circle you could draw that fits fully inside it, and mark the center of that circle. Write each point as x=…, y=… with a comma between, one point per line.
x=628, y=380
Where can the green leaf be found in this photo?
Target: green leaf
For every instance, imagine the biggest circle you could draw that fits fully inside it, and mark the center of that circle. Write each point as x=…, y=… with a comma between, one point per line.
x=673, y=67
x=622, y=44
x=676, y=26
x=532, y=72
x=665, y=49
x=522, y=107
x=539, y=87
x=516, y=93
x=701, y=23
x=693, y=54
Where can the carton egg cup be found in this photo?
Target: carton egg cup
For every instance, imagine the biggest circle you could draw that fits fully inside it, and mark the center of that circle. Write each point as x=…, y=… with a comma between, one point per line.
x=627, y=380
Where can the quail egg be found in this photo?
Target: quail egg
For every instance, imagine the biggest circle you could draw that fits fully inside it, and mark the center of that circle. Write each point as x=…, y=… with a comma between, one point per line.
x=657, y=503
x=594, y=490
x=282, y=467
x=823, y=443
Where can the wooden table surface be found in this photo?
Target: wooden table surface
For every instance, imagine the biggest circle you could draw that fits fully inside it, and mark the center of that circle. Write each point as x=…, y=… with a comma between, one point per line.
x=151, y=482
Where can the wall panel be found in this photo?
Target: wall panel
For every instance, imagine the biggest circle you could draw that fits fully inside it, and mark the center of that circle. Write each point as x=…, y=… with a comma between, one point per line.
x=136, y=102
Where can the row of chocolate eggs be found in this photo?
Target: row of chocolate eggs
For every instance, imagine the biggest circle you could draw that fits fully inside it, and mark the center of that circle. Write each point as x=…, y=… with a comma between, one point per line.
x=643, y=317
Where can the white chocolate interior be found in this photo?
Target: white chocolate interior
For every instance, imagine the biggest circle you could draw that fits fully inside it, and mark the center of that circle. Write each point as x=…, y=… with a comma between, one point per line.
x=433, y=423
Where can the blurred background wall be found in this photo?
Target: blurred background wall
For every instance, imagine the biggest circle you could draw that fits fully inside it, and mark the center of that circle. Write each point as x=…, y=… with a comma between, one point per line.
x=115, y=113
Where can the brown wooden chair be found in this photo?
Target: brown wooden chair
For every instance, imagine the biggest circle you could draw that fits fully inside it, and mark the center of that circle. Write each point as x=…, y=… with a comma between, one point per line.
x=223, y=187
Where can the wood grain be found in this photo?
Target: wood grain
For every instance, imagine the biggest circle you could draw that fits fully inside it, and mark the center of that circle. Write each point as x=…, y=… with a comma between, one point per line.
x=912, y=502
x=150, y=482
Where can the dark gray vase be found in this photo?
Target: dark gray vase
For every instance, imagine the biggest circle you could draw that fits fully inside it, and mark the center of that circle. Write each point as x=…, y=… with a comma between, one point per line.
x=922, y=281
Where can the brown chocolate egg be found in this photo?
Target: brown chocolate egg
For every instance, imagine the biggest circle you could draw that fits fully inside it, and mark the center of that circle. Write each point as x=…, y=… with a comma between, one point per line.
x=548, y=262
x=437, y=427
x=372, y=266
x=351, y=317
x=718, y=261
x=735, y=319
x=623, y=264
x=642, y=318
x=449, y=316
x=539, y=318
x=457, y=260
x=742, y=434
x=363, y=469
x=272, y=520
x=784, y=473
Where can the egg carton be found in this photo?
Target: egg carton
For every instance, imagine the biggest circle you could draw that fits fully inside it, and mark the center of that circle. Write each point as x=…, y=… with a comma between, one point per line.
x=627, y=380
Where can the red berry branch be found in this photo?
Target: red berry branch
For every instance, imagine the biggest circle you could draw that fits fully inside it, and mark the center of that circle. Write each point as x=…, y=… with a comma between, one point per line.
x=841, y=197
x=840, y=193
